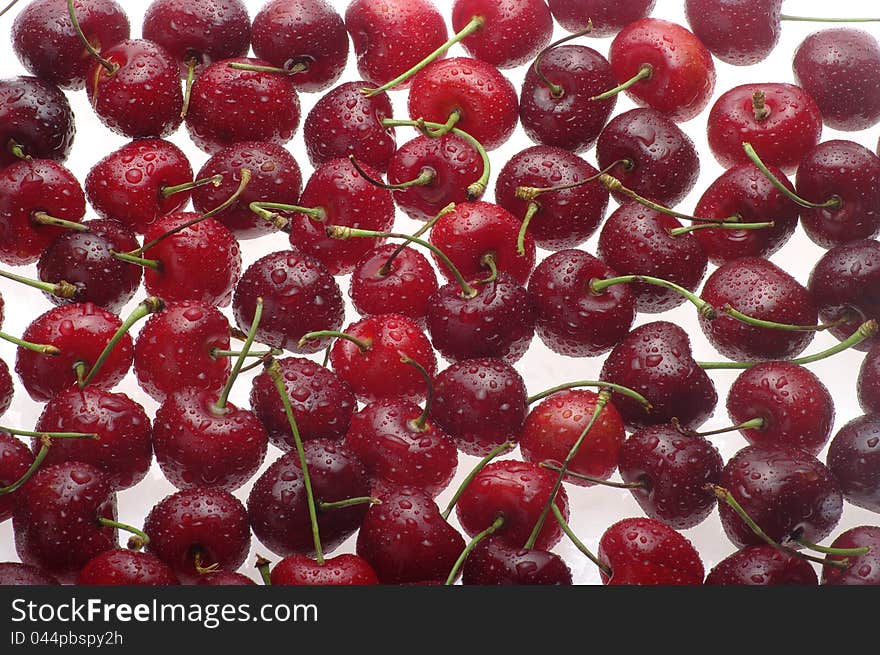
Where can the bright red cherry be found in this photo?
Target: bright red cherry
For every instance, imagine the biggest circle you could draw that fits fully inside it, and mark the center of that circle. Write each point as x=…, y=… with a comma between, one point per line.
x=607, y=16
x=342, y=570
x=863, y=569
x=35, y=117
x=738, y=32
x=495, y=562
x=126, y=567
x=15, y=459
x=762, y=565
x=854, y=460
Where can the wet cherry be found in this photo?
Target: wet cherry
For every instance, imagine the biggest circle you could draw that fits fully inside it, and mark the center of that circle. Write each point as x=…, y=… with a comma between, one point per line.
x=126, y=567
x=607, y=16
x=762, y=565
x=36, y=117
x=854, y=460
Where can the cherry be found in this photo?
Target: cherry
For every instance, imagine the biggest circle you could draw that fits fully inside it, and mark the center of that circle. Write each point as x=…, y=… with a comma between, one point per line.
x=342, y=570
x=126, y=567
x=649, y=154
x=15, y=459
x=836, y=67
x=7, y=390
x=854, y=460
x=481, y=101
x=788, y=493
x=861, y=570
x=407, y=540
x=57, y=518
x=495, y=562
x=655, y=360
x=606, y=16
x=17, y=574
x=762, y=565
x=643, y=551
x=791, y=404
x=668, y=67
x=302, y=33
x=869, y=382
x=225, y=579
x=36, y=121
x=47, y=45
x=198, y=531
x=738, y=32
x=266, y=106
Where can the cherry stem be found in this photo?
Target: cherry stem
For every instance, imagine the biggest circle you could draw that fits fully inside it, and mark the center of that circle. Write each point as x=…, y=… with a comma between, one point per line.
x=759, y=106
x=43, y=218
x=200, y=566
x=43, y=349
x=757, y=322
x=220, y=406
x=865, y=331
x=273, y=369
x=17, y=150
x=61, y=289
x=262, y=565
x=8, y=7
x=51, y=435
x=80, y=368
x=550, y=466
x=556, y=91
x=191, y=64
x=261, y=209
x=386, y=267
x=363, y=346
x=300, y=67
x=326, y=360
x=154, y=264
x=497, y=452
x=752, y=424
x=275, y=352
x=149, y=306
x=348, y=502
x=474, y=25
x=480, y=536
x=110, y=67
x=168, y=191
x=592, y=383
x=419, y=424
x=139, y=538
x=721, y=225
x=817, y=19
x=531, y=211
x=601, y=401
x=488, y=261
x=832, y=203
x=531, y=193
x=343, y=232
x=445, y=128
x=426, y=177
x=45, y=444
x=566, y=528
x=645, y=73
x=839, y=552
x=598, y=286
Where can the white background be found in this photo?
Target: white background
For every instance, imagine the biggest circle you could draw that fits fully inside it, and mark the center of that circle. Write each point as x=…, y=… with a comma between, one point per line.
x=593, y=509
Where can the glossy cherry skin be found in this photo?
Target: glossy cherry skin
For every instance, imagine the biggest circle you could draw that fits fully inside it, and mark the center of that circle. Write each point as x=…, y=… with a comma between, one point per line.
x=571, y=319
x=127, y=184
x=7, y=390
x=18, y=574
x=310, y=32
x=27, y=187
x=786, y=491
x=198, y=529
x=553, y=426
x=126, y=567
x=407, y=540
x=844, y=283
x=275, y=177
x=862, y=570
x=644, y=551
x=391, y=37
x=762, y=565
x=174, y=349
x=495, y=562
x=683, y=75
x=342, y=570
x=486, y=100
x=660, y=160
x=346, y=199
x=738, y=32
x=48, y=47
x=277, y=504
x=346, y=122
x=571, y=120
x=514, y=30
x=299, y=296
x=56, y=518
x=201, y=262
x=762, y=290
x=15, y=459
x=203, y=31
x=837, y=68
x=851, y=172
x=396, y=452
x=266, y=108
x=869, y=382
x=517, y=491
x=477, y=229
x=124, y=448
x=481, y=403
x=143, y=96
x=566, y=218
x=636, y=240
x=225, y=579
x=655, y=359
x=607, y=16
x=85, y=260
x=37, y=116
x=854, y=460
x=797, y=409
x=498, y=322
x=673, y=470
x=80, y=331
x=744, y=191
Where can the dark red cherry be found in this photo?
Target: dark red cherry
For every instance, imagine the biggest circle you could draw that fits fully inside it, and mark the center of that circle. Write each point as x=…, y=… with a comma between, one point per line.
x=225, y=579
x=643, y=551
x=36, y=116
x=266, y=106
x=15, y=459
x=786, y=491
x=485, y=100
x=738, y=32
x=495, y=562
x=7, y=390
x=56, y=519
x=299, y=296
x=342, y=570
x=854, y=460
x=18, y=574
x=837, y=68
x=655, y=360
x=863, y=569
x=607, y=16
x=287, y=33
x=660, y=161
x=47, y=45
x=869, y=382
x=126, y=567
x=514, y=31
x=762, y=565
x=142, y=96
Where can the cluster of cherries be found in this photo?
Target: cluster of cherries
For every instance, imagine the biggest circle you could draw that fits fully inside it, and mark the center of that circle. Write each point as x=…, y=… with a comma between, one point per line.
x=372, y=437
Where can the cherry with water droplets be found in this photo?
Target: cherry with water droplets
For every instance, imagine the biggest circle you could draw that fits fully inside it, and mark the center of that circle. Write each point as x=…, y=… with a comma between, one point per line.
x=225, y=579
x=14, y=574
x=854, y=460
x=738, y=32
x=124, y=567
x=607, y=16
x=762, y=565
x=861, y=569
x=15, y=459
x=495, y=562
x=869, y=382
x=343, y=570
x=36, y=117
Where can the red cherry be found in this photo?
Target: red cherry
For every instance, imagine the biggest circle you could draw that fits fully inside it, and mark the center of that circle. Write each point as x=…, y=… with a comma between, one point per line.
x=126, y=567
x=854, y=460
x=17, y=574
x=495, y=562
x=342, y=570
x=7, y=390
x=225, y=579
x=36, y=116
x=762, y=565
x=869, y=382
x=607, y=16
x=738, y=32
x=863, y=569
x=15, y=459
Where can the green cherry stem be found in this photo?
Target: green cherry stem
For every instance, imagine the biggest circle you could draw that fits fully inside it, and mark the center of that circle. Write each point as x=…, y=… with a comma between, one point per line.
x=566, y=528
x=139, y=538
x=757, y=322
x=497, y=452
x=42, y=218
x=832, y=203
x=419, y=424
x=219, y=407
x=363, y=346
x=556, y=91
x=168, y=191
x=153, y=264
x=721, y=225
x=752, y=424
x=262, y=209
x=838, y=552
x=817, y=19
x=446, y=127
x=45, y=445
x=592, y=383
x=480, y=536
x=61, y=289
x=426, y=177
x=646, y=71
x=263, y=566
x=488, y=261
x=275, y=352
x=550, y=466
x=598, y=286
x=191, y=64
x=301, y=67
x=17, y=150
x=326, y=506
x=386, y=267
x=110, y=67
x=51, y=435
x=43, y=349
